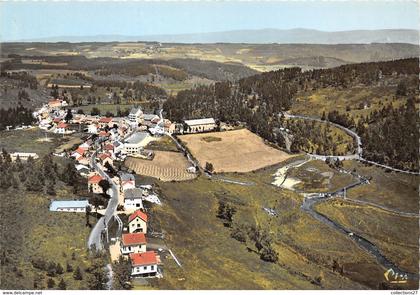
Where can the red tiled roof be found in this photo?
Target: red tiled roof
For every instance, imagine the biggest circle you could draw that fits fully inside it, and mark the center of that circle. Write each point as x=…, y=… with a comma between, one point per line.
x=81, y=158
x=56, y=120
x=103, y=133
x=133, y=239
x=109, y=147
x=62, y=125
x=138, y=213
x=105, y=120
x=95, y=179
x=104, y=156
x=146, y=258
x=81, y=151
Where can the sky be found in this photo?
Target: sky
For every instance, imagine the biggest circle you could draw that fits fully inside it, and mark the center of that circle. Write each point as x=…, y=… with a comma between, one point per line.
x=31, y=20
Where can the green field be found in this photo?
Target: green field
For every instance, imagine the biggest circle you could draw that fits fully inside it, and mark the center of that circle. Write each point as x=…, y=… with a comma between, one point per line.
x=395, y=236
x=314, y=103
x=212, y=259
x=393, y=190
x=33, y=141
x=317, y=176
x=164, y=143
x=30, y=232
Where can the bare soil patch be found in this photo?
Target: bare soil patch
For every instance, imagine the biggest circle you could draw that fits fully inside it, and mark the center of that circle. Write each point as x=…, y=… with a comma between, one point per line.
x=233, y=151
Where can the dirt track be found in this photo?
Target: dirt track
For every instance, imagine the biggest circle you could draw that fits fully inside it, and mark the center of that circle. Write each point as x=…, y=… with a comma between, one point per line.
x=237, y=151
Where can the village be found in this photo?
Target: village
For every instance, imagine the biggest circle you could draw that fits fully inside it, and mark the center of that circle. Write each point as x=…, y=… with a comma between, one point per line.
x=110, y=140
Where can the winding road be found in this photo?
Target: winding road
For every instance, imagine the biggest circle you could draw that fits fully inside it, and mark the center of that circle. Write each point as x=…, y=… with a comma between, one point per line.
x=311, y=199
x=359, y=150
x=95, y=237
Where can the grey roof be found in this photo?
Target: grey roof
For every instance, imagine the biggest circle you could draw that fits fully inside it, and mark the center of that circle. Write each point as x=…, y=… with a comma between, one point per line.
x=133, y=193
x=68, y=204
x=149, y=117
x=117, y=143
x=204, y=121
x=126, y=176
x=137, y=137
x=135, y=110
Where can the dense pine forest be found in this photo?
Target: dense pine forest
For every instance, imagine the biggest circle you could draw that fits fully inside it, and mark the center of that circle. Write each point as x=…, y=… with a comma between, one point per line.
x=259, y=100
x=15, y=116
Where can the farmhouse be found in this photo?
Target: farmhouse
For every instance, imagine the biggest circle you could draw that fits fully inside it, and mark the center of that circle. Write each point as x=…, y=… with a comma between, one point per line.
x=105, y=158
x=135, y=116
x=93, y=184
x=56, y=103
x=133, y=243
x=135, y=143
x=104, y=122
x=144, y=264
x=93, y=128
x=62, y=128
x=133, y=198
x=23, y=156
x=137, y=222
x=199, y=125
x=79, y=152
x=127, y=180
x=69, y=206
x=104, y=134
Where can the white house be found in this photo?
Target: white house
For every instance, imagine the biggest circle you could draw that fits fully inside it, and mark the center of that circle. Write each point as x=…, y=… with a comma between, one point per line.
x=133, y=198
x=199, y=125
x=127, y=180
x=69, y=206
x=144, y=264
x=133, y=243
x=137, y=222
x=62, y=128
x=93, y=184
x=105, y=122
x=135, y=116
x=93, y=128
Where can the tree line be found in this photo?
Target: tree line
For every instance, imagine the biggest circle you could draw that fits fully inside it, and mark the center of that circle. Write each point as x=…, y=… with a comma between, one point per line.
x=256, y=101
x=15, y=117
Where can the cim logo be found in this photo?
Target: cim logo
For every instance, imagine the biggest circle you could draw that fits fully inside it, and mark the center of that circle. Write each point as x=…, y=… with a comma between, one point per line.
x=395, y=278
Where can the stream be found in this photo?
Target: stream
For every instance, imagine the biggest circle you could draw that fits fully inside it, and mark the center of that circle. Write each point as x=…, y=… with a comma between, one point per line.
x=313, y=198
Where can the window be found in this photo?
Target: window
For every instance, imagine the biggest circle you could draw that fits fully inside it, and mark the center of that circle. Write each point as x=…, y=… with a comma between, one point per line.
x=144, y=267
x=152, y=267
x=129, y=248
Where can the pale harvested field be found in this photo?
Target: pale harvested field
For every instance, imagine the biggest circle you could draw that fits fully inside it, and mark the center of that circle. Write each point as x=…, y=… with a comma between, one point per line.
x=235, y=151
x=166, y=166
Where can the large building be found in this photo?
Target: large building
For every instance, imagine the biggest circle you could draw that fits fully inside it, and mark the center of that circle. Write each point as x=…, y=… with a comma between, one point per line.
x=69, y=206
x=199, y=125
x=135, y=143
x=135, y=116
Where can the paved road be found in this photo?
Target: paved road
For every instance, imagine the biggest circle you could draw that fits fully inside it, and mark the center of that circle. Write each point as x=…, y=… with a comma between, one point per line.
x=95, y=234
x=363, y=243
x=311, y=199
x=359, y=150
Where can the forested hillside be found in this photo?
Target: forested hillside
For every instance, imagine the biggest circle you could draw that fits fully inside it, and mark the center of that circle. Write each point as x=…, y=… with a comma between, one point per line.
x=258, y=100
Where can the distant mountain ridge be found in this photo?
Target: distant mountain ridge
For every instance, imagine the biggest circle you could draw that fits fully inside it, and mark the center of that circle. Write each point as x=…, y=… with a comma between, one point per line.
x=262, y=36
